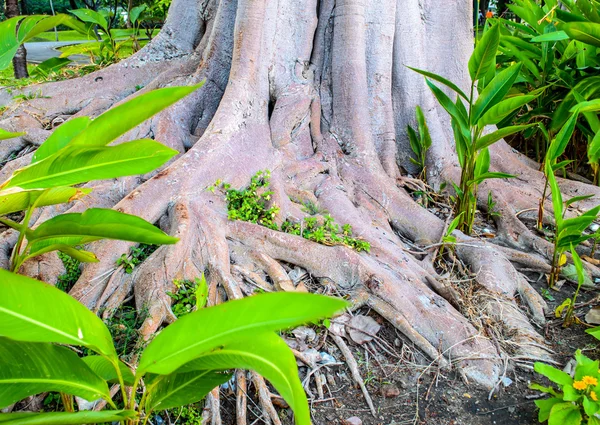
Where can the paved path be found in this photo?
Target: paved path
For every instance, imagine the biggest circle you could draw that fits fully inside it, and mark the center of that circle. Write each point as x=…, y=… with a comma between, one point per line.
x=40, y=51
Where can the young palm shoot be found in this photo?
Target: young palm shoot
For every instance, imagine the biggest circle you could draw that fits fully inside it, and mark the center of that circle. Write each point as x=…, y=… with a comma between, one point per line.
x=419, y=143
x=470, y=114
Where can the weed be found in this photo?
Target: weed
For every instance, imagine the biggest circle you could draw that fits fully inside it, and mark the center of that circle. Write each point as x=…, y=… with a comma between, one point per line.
x=72, y=272
x=184, y=299
x=136, y=256
x=547, y=294
x=312, y=208
x=189, y=415
x=325, y=231
x=30, y=96
x=419, y=143
x=123, y=326
x=491, y=211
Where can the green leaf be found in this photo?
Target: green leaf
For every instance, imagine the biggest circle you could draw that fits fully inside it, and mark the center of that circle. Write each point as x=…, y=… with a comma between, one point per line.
x=106, y=370
x=8, y=41
x=16, y=199
x=122, y=118
x=577, y=199
x=545, y=406
x=268, y=355
x=595, y=332
x=560, y=142
x=4, y=135
x=50, y=65
x=541, y=388
x=485, y=53
x=570, y=393
x=181, y=389
x=94, y=224
x=35, y=311
x=589, y=407
x=587, y=106
x=482, y=163
x=91, y=16
x=442, y=80
x=423, y=129
x=135, y=12
x=491, y=138
x=60, y=138
x=553, y=374
x=594, y=149
x=586, y=32
x=65, y=418
x=203, y=330
x=201, y=292
x=585, y=365
x=29, y=368
x=551, y=36
x=557, y=202
x=504, y=108
x=451, y=108
x=487, y=176
x=80, y=164
x=593, y=420
x=495, y=91
x=565, y=414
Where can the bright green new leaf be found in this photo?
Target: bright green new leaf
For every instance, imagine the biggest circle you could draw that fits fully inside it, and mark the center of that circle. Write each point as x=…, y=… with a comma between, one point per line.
x=495, y=91
x=423, y=129
x=126, y=116
x=504, y=108
x=91, y=16
x=442, y=80
x=557, y=202
x=267, y=354
x=587, y=106
x=484, y=55
x=4, y=135
x=451, y=108
x=8, y=41
x=16, y=199
x=586, y=32
x=553, y=374
x=482, y=163
x=577, y=199
x=565, y=414
x=201, y=292
x=135, y=12
x=551, y=36
x=80, y=164
x=59, y=318
x=30, y=368
x=106, y=370
x=208, y=328
x=545, y=406
x=490, y=139
x=180, y=389
x=66, y=418
x=61, y=137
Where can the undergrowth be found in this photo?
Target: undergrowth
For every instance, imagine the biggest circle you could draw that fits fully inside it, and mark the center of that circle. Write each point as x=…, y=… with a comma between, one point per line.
x=123, y=326
x=72, y=272
x=252, y=204
x=184, y=299
x=136, y=256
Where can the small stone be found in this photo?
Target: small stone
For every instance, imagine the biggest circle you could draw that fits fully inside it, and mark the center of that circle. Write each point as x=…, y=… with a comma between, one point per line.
x=331, y=380
x=390, y=391
x=354, y=420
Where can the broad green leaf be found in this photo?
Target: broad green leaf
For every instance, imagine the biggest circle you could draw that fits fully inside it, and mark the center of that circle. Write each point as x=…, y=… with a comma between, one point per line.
x=589, y=407
x=80, y=164
x=504, y=108
x=201, y=292
x=4, y=135
x=16, y=199
x=593, y=420
x=268, y=355
x=594, y=149
x=122, y=118
x=106, y=370
x=451, y=108
x=65, y=418
x=442, y=80
x=135, y=12
x=495, y=91
x=414, y=141
x=484, y=54
x=560, y=142
x=565, y=414
x=557, y=202
x=35, y=311
x=545, y=406
x=460, y=142
x=30, y=368
x=8, y=41
x=181, y=389
x=587, y=106
x=491, y=138
x=553, y=374
x=587, y=88
x=585, y=365
x=454, y=224
x=595, y=332
x=586, y=32
x=577, y=199
x=98, y=223
x=487, y=176
x=50, y=65
x=60, y=138
x=91, y=16
x=551, y=36
x=203, y=330
x=482, y=163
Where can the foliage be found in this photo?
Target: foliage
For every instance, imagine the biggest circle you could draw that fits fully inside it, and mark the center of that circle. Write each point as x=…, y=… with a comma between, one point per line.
x=325, y=231
x=75, y=153
x=419, y=143
x=123, y=325
x=470, y=121
x=190, y=296
x=179, y=367
x=72, y=272
x=136, y=256
x=576, y=400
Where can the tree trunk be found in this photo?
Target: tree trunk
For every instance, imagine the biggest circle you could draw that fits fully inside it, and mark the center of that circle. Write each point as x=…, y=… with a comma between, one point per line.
x=319, y=93
x=20, y=59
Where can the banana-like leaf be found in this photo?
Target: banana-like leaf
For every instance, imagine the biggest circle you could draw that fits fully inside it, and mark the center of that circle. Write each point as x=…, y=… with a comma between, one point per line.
x=490, y=139
x=484, y=55
x=594, y=149
x=29, y=368
x=504, y=108
x=267, y=354
x=8, y=41
x=49, y=66
x=587, y=88
x=120, y=119
x=451, y=108
x=551, y=36
x=97, y=223
x=560, y=142
x=91, y=16
x=78, y=254
x=16, y=199
x=442, y=80
x=80, y=164
x=35, y=311
x=557, y=202
x=586, y=32
x=423, y=129
x=106, y=370
x=203, y=330
x=495, y=91
x=60, y=138
x=4, y=135
x=180, y=389
x=589, y=10
x=66, y=418
x=587, y=106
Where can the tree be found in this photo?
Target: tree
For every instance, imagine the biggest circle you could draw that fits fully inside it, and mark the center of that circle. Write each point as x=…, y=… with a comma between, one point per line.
x=319, y=93
x=20, y=59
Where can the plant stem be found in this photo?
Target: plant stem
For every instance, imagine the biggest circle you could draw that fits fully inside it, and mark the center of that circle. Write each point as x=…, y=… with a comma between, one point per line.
x=540, y=221
x=16, y=259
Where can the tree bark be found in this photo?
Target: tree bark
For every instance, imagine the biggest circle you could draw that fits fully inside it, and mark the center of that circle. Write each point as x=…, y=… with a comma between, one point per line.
x=20, y=59
x=319, y=93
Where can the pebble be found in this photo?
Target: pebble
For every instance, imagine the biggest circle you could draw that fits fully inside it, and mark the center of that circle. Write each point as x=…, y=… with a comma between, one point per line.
x=390, y=391
x=354, y=420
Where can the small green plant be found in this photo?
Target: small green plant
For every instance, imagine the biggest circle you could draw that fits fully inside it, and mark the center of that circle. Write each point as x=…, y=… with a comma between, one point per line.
x=575, y=401
x=72, y=272
x=78, y=152
x=136, y=256
x=491, y=207
x=190, y=296
x=469, y=122
x=326, y=231
x=419, y=143
x=449, y=240
x=570, y=302
x=182, y=364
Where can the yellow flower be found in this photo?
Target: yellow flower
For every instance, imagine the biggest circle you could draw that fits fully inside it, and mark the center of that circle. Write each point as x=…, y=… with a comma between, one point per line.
x=593, y=396
x=579, y=385
x=590, y=381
